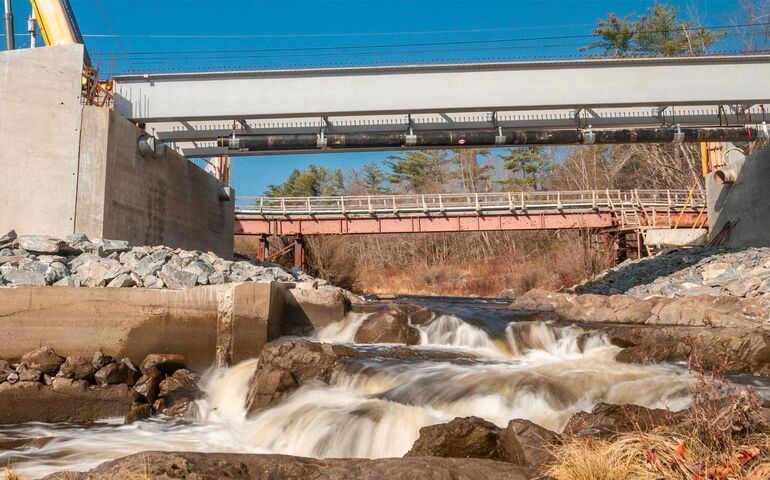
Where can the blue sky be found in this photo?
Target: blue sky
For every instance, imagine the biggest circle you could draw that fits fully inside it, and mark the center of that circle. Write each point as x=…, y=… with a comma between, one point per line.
x=147, y=35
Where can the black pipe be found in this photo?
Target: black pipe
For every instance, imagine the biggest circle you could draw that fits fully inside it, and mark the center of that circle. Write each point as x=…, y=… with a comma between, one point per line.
x=480, y=138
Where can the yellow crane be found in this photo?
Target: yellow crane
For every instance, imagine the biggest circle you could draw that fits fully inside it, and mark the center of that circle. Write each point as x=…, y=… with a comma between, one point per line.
x=57, y=23
x=58, y=26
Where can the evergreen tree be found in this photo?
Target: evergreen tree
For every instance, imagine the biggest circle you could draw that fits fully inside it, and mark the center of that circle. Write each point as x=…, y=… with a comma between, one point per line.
x=424, y=171
x=659, y=32
x=528, y=168
x=373, y=179
x=312, y=182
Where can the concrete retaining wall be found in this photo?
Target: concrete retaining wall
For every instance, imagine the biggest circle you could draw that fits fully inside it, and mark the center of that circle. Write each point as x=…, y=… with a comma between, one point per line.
x=39, y=138
x=73, y=169
x=747, y=201
x=225, y=323
x=147, y=201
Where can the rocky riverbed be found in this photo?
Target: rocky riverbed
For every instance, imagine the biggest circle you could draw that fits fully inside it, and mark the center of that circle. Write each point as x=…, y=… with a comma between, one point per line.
x=76, y=261
x=743, y=273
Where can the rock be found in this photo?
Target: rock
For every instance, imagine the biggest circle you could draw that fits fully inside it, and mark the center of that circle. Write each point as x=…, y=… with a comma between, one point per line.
x=108, y=247
x=112, y=374
x=418, y=315
x=606, y=420
x=78, y=243
x=5, y=370
x=468, y=437
x=148, y=385
x=177, y=279
x=163, y=465
x=7, y=238
x=284, y=365
x=12, y=377
x=167, y=363
x=121, y=281
x=27, y=374
x=138, y=412
x=388, y=326
x=528, y=444
x=44, y=359
x=100, y=360
x=147, y=266
x=202, y=270
x=22, y=278
x=740, y=287
x=40, y=244
x=179, y=391
x=67, y=282
x=153, y=282
x=714, y=270
x=77, y=368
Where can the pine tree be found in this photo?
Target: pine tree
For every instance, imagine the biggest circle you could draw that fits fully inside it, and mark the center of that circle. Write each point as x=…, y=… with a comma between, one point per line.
x=424, y=171
x=528, y=168
x=312, y=182
x=659, y=32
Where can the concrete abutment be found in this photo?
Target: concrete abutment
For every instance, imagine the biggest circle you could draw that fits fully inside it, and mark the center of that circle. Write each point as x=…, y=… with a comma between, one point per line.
x=209, y=325
x=69, y=168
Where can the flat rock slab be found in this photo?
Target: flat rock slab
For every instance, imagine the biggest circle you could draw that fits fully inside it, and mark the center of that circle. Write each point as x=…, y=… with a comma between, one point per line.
x=35, y=402
x=162, y=466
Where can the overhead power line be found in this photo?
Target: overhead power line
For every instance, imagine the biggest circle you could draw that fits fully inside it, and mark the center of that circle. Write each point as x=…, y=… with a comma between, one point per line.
x=419, y=44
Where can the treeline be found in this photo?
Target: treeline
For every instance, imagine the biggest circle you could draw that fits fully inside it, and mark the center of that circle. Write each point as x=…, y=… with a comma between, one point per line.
x=486, y=263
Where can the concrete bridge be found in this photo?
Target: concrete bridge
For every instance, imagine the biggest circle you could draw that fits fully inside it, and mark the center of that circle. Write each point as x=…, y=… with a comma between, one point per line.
x=450, y=106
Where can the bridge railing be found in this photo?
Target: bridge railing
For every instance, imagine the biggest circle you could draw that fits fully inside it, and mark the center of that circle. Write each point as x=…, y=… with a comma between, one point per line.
x=469, y=202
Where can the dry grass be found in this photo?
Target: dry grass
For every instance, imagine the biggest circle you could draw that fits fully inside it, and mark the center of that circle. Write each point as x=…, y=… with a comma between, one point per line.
x=562, y=265
x=9, y=473
x=724, y=436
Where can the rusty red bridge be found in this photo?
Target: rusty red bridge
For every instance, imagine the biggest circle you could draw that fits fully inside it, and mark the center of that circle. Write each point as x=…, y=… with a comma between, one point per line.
x=469, y=212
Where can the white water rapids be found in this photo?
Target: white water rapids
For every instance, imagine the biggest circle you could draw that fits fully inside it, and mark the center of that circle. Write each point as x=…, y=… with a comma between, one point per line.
x=530, y=370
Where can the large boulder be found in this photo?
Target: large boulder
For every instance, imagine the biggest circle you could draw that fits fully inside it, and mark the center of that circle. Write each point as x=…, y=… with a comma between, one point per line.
x=44, y=359
x=527, y=443
x=388, y=326
x=179, y=465
x=283, y=366
x=607, y=420
x=167, y=363
x=40, y=244
x=178, y=392
x=77, y=368
x=468, y=437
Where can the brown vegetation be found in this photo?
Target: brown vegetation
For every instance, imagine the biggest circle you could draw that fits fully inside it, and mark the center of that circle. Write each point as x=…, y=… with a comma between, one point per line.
x=723, y=436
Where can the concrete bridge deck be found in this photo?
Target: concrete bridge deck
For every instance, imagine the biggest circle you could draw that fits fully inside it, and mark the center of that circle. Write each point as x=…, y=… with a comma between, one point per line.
x=192, y=111
x=547, y=210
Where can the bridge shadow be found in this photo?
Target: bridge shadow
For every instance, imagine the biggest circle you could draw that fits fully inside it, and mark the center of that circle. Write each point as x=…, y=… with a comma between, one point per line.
x=675, y=272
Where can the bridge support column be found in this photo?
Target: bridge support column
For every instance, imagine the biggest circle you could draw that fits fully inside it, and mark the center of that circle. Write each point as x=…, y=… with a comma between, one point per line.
x=263, y=250
x=299, y=252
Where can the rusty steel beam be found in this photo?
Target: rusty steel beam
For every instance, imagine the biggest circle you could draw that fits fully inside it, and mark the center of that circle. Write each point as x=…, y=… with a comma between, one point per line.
x=256, y=225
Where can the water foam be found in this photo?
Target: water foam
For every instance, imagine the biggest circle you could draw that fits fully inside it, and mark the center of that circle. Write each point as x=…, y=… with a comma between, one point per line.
x=531, y=370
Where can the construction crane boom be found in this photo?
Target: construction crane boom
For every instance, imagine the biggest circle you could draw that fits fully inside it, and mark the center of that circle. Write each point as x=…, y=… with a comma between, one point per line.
x=57, y=23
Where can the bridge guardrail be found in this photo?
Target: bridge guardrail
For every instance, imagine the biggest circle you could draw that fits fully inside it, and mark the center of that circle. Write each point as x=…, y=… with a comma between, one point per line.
x=467, y=202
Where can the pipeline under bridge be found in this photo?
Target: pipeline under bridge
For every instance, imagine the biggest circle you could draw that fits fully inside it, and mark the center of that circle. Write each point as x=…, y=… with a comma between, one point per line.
x=428, y=106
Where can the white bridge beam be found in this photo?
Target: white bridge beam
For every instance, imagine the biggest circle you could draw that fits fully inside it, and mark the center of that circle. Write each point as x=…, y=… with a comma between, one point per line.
x=445, y=88
x=616, y=92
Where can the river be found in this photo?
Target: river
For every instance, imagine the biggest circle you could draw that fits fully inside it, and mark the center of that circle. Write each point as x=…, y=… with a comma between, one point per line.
x=520, y=368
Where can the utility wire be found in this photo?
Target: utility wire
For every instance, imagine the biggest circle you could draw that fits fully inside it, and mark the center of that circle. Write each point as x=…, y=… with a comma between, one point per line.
x=423, y=44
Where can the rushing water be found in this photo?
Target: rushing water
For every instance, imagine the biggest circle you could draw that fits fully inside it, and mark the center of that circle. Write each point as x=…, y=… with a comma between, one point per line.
x=518, y=369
